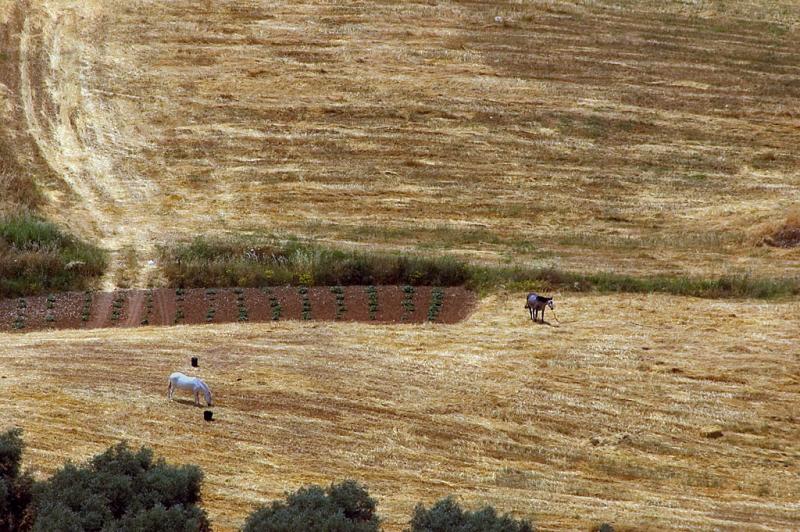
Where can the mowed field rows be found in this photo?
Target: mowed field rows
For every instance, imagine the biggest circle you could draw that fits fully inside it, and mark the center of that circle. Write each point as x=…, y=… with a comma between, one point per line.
x=644, y=137
x=600, y=418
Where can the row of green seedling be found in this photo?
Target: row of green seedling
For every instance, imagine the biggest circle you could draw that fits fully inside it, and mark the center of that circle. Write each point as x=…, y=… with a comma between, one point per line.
x=211, y=297
x=116, y=306
x=437, y=298
x=338, y=291
x=372, y=301
x=306, y=303
x=19, y=320
x=408, y=301
x=49, y=316
x=240, y=304
x=180, y=296
x=274, y=304
x=87, y=306
x=148, y=307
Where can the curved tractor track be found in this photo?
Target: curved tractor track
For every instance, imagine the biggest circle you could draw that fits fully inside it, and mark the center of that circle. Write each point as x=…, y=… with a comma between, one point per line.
x=80, y=132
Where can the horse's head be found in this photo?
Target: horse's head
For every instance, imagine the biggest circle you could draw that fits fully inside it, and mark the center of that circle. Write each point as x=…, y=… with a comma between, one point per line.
x=207, y=394
x=551, y=304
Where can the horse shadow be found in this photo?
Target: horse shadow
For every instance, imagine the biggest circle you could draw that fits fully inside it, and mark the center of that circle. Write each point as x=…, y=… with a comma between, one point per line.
x=188, y=402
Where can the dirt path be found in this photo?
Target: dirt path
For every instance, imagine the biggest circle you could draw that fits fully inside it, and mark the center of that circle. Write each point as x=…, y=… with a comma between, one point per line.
x=135, y=306
x=101, y=306
x=80, y=135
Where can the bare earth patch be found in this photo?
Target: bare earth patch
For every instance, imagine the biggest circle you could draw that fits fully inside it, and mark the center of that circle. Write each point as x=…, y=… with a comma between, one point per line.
x=165, y=306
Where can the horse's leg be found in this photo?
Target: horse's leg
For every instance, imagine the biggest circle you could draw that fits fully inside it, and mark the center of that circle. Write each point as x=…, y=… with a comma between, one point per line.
x=169, y=390
x=196, y=398
x=543, y=314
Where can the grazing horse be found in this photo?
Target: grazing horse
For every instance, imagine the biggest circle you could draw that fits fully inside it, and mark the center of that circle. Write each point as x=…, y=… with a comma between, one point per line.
x=195, y=384
x=534, y=303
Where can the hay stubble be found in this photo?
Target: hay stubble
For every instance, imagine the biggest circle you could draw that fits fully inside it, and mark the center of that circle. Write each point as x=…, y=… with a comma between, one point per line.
x=643, y=138
x=600, y=419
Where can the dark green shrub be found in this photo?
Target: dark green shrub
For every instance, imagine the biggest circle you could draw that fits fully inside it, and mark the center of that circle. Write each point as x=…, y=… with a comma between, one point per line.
x=447, y=516
x=344, y=507
x=15, y=486
x=121, y=490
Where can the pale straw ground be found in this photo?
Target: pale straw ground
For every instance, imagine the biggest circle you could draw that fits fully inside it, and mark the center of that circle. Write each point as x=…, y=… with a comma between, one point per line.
x=493, y=410
x=644, y=137
x=640, y=137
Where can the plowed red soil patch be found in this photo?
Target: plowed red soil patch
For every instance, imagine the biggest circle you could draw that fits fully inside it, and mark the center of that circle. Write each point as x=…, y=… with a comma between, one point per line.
x=164, y=306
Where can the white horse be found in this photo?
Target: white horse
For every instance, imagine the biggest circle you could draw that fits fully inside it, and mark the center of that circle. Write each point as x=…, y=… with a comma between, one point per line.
x=195, y=384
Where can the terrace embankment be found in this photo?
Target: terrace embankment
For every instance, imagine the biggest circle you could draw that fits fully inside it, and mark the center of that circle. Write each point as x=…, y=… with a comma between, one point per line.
x=166, y=306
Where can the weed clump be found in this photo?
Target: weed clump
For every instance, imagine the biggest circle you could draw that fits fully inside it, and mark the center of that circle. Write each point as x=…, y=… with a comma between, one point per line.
x=206, y=262
x=37, y=257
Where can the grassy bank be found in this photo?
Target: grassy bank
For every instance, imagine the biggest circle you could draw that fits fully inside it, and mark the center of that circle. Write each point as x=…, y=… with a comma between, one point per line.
x=250, y=262
x=242, y=262
x=36, y=257
x=728, y=286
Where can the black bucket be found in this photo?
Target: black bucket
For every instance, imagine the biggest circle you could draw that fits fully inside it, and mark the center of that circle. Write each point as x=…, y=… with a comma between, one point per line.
x=207, y=415
x=194, y=362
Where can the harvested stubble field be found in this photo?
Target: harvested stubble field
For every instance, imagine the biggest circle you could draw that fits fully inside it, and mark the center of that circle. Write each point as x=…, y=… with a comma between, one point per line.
x=643, y=137
x=599, y=419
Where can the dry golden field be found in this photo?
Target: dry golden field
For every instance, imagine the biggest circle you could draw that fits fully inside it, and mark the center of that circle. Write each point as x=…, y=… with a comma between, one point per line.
x=639, y=137
x=642, y=137
x=494, y=410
